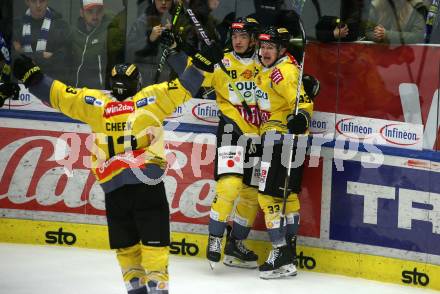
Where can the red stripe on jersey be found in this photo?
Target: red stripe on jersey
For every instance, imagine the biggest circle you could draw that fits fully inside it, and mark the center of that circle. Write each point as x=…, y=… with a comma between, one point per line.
x=132, y=159
x=292, y=59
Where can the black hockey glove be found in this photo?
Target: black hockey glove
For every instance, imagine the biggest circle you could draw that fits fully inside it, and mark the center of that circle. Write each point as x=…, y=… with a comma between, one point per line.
x=167, y=38
x=9, y=91
x=27, y=71
x=208, y=57
x=311, y=86
x=297, y=124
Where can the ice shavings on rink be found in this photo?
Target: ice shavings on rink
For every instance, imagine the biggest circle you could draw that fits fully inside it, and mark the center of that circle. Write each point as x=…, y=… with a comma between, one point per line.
x=32, y=269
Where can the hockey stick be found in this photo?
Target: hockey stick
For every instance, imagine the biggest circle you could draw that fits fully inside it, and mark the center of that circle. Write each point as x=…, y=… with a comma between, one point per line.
x=298, y=94
x=163, y=56
x=204, y=36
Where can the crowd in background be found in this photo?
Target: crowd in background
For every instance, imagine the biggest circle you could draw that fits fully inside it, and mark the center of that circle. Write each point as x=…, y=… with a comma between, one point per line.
x=83, y=52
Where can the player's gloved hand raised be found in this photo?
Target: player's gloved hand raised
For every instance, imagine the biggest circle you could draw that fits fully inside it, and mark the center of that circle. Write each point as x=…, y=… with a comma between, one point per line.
x=167, y=39
x=9, y=91
x=311, y=86
x=27, y=71
x=297, y=124
x=208, y=57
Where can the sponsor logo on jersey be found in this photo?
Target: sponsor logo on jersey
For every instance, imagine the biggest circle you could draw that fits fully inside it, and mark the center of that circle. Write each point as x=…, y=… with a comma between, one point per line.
x=399, y=135
x=254, y=118
x=98, y=102
x=226, y=62
x=276, y=76
x=90, y=100
x=117, y=108
x=247, y=74
x=145, y=101
x=264, y=170
x=230, y=159
x=260, y=94
x=93, y=101
x=245, y=88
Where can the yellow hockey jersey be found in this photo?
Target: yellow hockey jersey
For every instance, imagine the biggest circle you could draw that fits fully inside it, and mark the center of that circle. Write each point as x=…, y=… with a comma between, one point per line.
x=275, y=92
x=127, y=133
x=241, y=72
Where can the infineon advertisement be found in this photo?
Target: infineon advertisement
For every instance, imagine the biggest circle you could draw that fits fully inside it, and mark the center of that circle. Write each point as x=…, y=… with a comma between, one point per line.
x=370, y=202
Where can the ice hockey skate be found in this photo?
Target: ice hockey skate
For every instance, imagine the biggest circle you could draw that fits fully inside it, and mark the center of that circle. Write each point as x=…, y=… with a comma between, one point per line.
x=237, y=255
x=157, y=283
x=213, y=252
x=278, y=264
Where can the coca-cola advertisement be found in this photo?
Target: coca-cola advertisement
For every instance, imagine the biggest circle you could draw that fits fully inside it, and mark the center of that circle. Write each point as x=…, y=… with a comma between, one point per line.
x=38, y=175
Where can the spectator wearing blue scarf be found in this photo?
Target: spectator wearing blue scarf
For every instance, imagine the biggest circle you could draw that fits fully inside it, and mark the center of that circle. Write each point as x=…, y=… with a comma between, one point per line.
x=42, y=35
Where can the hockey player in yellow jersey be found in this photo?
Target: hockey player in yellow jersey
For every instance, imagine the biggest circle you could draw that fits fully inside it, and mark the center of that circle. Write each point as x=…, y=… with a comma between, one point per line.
x=236, y=155
x=276, y=91
x=127, y=159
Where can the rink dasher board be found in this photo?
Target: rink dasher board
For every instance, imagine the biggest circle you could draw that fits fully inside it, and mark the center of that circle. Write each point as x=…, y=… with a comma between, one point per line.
x=329, y=236
x=201, y=115
x=325, y=240
x=324, y=260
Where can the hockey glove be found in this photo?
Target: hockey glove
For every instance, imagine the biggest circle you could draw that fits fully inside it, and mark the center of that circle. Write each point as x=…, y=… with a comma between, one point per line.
x=208, y=57
x=8, y=91
x=27, y=71
x=297, y=124
x=311, y=86
x=167, y=39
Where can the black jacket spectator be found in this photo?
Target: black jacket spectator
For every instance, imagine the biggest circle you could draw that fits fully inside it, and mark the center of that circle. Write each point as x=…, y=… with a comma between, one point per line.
x=54, y=59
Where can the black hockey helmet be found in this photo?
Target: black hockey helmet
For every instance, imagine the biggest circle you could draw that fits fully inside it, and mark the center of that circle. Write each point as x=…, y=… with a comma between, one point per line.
x=125, y=80
x=277, y=35
x=246, y=24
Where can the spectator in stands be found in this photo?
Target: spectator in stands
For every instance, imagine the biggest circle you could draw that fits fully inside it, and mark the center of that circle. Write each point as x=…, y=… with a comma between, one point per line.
x=330, y=29
x=6, y=19
x=345, y=28
x=90, y=45
x=267, y=11
x=396, y=21
x=42, y=35
x=116, y=38
x=143, y=39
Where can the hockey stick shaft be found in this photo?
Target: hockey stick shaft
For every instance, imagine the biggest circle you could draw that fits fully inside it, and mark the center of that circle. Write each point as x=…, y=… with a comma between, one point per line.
x=163, y=56
x=294, y=138
x=204, y=36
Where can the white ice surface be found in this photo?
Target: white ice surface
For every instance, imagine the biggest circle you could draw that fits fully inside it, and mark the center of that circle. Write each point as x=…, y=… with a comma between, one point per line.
x=30, y=269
